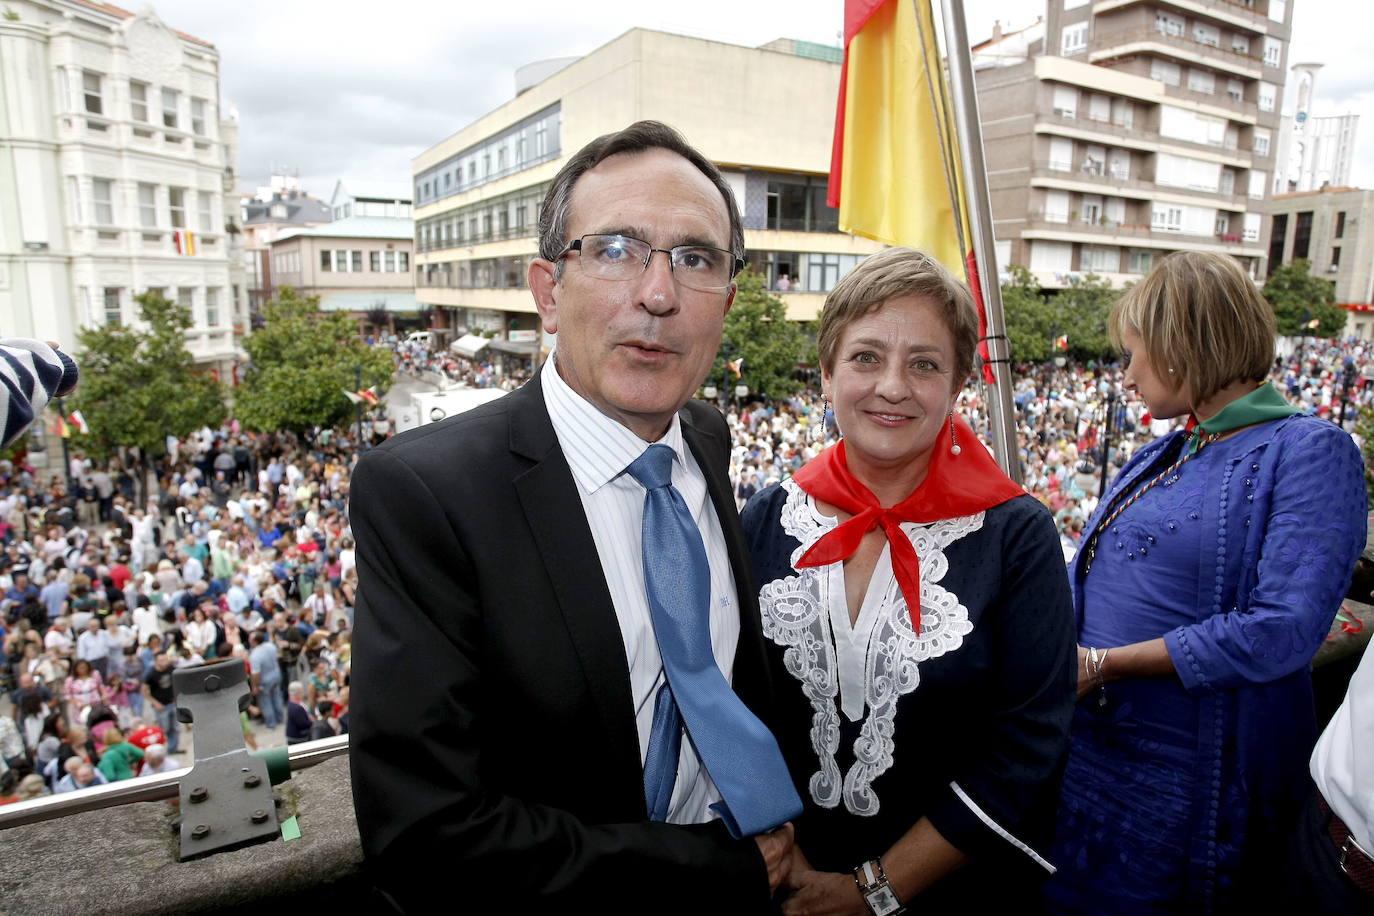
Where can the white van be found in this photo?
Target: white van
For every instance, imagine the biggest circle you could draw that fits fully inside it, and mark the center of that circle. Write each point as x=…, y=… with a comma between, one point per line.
x=423, y=338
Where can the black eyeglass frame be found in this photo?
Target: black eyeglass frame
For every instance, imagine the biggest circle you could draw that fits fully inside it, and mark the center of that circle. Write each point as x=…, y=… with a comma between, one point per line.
x=736, y=263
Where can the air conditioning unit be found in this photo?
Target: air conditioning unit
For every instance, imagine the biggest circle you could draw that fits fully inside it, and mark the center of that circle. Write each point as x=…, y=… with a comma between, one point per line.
x=1332, y=268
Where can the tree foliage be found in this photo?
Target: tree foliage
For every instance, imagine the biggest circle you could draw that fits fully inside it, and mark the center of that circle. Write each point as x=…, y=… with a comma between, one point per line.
x=301, y=362
x=1078, y=312
x=1298, y=298
x=758, y=331
x=139, y=384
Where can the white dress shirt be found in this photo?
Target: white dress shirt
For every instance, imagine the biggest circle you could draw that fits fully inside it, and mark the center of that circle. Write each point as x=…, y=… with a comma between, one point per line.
x=1344, y=757
x=598, y=450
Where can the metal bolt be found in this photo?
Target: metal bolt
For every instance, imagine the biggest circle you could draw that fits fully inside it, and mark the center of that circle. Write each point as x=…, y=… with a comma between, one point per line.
x=277, y=799
x=199, y=794
x=212, y=683
x=259, y=816
x=200, y=831
x=252, y=781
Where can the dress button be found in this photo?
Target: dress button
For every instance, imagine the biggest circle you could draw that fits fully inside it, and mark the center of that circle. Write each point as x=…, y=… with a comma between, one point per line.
x=1173, y=526
x=1250, y=497
x=1193, y=516
x=1254, y=467
x=1130, y=556
x=1249, y=482
x=1120, y=546
x=1150, y=538
x=1143, y=551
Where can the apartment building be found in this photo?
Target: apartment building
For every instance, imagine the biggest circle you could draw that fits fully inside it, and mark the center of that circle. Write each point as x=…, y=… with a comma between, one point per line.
x=356, y=264
x=1333, y=230
x=763, y=115
x=1133, y=128
x=274, y=210
x=116, y=175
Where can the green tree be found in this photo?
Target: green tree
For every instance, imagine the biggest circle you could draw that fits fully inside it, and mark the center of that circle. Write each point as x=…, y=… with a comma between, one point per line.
x=1082, y=309
x=1030, y=318
x=757, y=330
x=300, y=363
x=1298, y=298
x=139, y=384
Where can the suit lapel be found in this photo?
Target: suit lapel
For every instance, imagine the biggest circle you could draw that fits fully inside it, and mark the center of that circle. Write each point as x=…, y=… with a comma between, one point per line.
x=548, y=496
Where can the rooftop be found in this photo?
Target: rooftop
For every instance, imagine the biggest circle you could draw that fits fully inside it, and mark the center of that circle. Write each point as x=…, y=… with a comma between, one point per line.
x=374, y=189
x=121, y=13
x=358, y=227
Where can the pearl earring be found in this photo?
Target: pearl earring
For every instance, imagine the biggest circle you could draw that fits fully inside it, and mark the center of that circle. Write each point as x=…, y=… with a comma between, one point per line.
x=954, y=448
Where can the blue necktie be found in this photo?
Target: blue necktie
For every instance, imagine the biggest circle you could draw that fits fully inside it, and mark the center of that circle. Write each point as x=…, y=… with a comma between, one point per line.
x=738, y=752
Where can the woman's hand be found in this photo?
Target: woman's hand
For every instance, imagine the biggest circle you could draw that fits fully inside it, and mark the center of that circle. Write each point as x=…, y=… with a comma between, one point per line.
x=1086, y=683
x=823, y=893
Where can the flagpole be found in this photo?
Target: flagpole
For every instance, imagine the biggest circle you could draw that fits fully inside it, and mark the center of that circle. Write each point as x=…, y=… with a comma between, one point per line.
x=1001, y=411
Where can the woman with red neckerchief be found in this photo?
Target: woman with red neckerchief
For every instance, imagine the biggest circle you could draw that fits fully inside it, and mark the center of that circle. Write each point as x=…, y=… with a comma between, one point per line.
x=918, y=606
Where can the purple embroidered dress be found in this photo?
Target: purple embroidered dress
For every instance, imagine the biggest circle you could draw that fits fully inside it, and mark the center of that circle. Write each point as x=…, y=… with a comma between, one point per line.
x=1177, y=788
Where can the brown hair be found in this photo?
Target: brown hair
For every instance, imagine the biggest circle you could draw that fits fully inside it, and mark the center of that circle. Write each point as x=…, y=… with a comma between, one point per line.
x=637, y=138
x=1199, y=315
x=900, y=272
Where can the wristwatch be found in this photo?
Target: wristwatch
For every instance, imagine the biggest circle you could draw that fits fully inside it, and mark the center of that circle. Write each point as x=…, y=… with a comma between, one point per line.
x=876, y=889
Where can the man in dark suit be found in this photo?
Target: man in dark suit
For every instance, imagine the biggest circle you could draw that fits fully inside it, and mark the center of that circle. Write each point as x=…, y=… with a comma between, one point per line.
x=506, y=665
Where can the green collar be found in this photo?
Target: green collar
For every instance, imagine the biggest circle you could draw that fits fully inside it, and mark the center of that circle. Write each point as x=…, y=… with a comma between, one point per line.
x=1259, y=406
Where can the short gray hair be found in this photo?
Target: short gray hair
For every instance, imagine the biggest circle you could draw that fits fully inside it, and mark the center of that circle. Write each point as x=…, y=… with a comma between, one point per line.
x=637, y=138
x=295, y=689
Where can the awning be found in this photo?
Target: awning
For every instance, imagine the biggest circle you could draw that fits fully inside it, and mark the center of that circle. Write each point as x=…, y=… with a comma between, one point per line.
x=516, y=348
x=364, y=302
x=470, y=345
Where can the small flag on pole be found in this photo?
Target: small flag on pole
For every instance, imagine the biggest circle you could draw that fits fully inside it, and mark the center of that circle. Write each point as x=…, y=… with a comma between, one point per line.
x=77, y=419
x=355, y=398
x=1061, y=342
x=369, y=395
x=737, y=367
x=60, y=428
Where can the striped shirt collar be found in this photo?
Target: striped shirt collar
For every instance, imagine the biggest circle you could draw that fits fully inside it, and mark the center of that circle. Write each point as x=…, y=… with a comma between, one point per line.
x=598, y=449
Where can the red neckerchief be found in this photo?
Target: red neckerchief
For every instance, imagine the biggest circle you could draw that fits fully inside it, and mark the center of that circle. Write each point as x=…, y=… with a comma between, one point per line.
x=955, y=486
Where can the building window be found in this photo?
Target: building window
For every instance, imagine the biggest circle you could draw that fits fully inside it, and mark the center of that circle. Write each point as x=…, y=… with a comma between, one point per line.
x=102, y=196
x=198, y=117
x=402, y=261
x=1165, y=71
x=1138, y=261
x=1100, y=259
x=176, y=206
x=138, y=101
x=374, y=261
x=1235, y=90
x=113, y=312
x=1202, y=81
x=1166, y=218
x=1169, y=25
x=1278, y=237
x=147, y=205
x=1302, y=235
x=1066, y=101
x=1056, y=206
x=1251, y=228
x=170, y=99
x=1261, y=141
x=186, y=298
x=91, y=85
x=1240, y=44
x=1258, y=179
x=326, y=263
x=1266, y=96
x=1273, y=52
x=205, y=215
x=1208, y=35
x=1074, y=38
x=1340, y=225
x=1278, y=10
x=1336, y=256
x=211, y=306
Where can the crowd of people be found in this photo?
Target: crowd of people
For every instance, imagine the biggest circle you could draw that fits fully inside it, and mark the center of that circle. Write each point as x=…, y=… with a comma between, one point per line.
x=239, y=548
x=242, y=549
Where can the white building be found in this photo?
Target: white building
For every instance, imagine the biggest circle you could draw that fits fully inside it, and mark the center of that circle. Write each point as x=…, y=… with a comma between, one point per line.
x=1314, y=152
x=116, y=175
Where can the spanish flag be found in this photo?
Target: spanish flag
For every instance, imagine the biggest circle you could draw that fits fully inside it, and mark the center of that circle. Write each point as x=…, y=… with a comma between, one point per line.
x=895, y=172
x=185, y=241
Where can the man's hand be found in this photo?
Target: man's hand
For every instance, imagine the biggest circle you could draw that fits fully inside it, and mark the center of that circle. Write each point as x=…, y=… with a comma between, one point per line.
x=776, y=847
x=823, y=893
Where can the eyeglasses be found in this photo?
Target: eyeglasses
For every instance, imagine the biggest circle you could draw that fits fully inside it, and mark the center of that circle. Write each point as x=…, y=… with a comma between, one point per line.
x=619, y=257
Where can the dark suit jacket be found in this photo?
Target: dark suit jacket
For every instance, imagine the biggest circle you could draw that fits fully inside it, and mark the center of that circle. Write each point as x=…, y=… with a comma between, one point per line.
x=494, y=744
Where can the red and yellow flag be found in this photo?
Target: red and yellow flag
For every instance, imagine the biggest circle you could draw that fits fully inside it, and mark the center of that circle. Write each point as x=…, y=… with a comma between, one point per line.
x=894, y=172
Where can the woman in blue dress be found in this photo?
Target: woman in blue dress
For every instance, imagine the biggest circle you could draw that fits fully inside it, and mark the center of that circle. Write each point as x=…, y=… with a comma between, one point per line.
x=1209, y=576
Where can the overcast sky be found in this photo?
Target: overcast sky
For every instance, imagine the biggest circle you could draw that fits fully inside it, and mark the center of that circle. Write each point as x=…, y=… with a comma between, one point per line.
x=353, y=89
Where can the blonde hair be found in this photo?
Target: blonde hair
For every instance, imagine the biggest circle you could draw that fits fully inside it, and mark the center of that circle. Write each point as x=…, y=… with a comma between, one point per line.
x=897, y=272
x=1200, y=316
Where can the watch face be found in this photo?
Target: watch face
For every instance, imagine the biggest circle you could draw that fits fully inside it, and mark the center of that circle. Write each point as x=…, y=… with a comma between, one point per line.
x=882, y=901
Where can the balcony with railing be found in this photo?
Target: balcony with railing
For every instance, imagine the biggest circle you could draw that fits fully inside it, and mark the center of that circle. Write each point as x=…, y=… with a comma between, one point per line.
x=1124, y=42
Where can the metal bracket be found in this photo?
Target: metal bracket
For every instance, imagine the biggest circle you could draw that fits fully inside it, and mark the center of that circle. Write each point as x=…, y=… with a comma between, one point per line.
x=226, y=799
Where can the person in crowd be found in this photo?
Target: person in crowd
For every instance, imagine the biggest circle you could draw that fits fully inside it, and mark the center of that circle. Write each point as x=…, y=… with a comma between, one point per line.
x=266, y=678
x=79, y=775
x=157, y=690
x=1207, y=579
x=297, y=714
x=155, y=760
x=570, y=653
x=83, y=689
x=919, y=611
x=120, y=759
